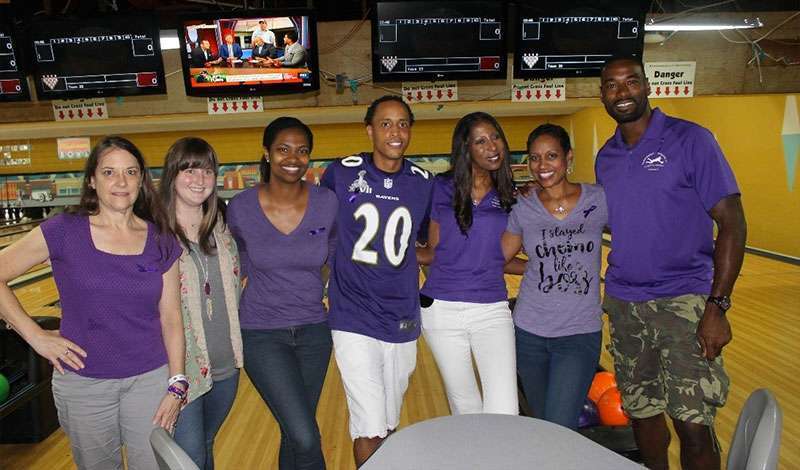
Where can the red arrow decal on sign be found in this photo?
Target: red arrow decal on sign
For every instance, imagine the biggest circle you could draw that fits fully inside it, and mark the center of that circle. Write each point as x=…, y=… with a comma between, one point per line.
x=519, y=94
x=430, y=94
x=80, y=113
x=666, y=90
x=538, y=94
x=61, y=115
x=225, y=107
x=658, y=91
x=215, y=107
x=528, y=94
x=409, y=96
x=99, y=111
x=558, y=93
x=70, y=114
x=255, y=104
x=547, y=93
x=439, y=93
x=234, y=106
x=244, y=105
x=677, y=90
x=419, y=95
x=686, y=90
x=449, y=92
x=89, y=112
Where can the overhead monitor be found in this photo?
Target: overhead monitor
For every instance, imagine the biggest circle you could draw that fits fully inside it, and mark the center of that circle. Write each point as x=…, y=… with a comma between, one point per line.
x=103, y=56
x=249, y=53
x=439, y=40
x=574, y=38
x=13, y=83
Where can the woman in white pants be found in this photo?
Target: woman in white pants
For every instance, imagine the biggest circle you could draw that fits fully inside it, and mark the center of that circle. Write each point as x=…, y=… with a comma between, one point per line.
x=464, y=300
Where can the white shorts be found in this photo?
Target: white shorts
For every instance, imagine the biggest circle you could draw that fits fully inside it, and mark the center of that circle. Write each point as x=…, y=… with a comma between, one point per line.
x=375, y=376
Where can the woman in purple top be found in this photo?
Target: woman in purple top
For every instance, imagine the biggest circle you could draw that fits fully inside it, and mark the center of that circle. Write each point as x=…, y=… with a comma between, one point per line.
x=465, y=307
x=210, y=288
x=119, y=352
x=285, y=231
x=557, y=314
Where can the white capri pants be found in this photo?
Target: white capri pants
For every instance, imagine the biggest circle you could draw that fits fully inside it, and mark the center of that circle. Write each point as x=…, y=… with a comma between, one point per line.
x=375, y=375
x=99, y=416
x=457, y=331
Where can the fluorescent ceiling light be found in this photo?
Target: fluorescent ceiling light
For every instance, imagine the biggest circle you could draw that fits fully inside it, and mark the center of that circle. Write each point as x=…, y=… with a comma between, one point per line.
x=169, y=39
x=688, y=24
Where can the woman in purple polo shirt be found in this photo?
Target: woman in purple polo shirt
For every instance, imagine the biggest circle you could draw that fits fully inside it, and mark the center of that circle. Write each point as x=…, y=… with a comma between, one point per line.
x=119, y=352
x=557, y=314
x=465, y=307
x=285, y=231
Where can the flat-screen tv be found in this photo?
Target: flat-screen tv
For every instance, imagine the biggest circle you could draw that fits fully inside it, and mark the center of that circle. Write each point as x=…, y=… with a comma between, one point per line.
x=574, y=38
x=438, y=40
x=100, y=56
x=249, y=53
x=13, y=83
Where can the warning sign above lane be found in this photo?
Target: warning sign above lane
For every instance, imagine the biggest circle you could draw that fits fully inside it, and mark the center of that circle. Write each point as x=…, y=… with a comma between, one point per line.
x=670, y=79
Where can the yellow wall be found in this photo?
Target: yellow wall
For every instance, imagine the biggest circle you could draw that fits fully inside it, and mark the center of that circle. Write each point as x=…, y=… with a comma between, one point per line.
x=748, y=129
x=244, y=145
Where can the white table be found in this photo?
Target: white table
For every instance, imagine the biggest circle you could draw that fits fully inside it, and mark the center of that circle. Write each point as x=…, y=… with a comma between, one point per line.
x=492, y=442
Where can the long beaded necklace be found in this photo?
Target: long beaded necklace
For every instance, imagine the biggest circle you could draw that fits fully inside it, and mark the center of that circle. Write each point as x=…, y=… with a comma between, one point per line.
x=202, y=263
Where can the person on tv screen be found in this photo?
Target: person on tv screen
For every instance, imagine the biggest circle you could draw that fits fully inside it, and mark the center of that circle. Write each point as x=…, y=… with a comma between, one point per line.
x=262, y=32
x=262, y=52
x=202, y=56
x=230, y=51
x=294, y=54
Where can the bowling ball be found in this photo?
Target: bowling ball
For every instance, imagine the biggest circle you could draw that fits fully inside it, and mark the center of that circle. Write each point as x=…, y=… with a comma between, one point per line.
x=610, y=408
x=4, y=388
x=589, y=415
x=602, y=381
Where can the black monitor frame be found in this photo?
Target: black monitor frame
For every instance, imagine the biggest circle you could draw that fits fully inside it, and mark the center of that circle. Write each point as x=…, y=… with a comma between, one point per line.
x=376, y=57
x=66, y=24
x=253, y=89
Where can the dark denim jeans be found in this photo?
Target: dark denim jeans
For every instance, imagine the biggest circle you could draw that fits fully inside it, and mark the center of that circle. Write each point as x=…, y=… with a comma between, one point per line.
x=288, y=367
x=556, y=373
x=199, y=422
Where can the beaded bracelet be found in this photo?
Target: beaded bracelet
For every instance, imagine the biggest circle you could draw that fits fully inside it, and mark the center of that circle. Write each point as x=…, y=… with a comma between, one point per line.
x=178, y=378
x=177, y=392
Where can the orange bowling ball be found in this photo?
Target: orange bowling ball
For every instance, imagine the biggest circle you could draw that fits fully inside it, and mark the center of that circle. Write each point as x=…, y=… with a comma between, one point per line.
x=610, y=409
x=602, y=382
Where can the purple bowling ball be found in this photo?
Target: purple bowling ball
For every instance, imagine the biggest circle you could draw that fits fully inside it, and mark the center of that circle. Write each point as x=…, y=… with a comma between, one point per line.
x=589, y=415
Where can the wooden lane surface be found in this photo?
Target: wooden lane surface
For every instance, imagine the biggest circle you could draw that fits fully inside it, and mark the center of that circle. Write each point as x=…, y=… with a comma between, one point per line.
x=764, y=353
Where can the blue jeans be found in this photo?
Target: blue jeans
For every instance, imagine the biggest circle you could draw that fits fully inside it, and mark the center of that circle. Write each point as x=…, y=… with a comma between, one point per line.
x=288, y=367
x=556, y=373
x=199, y=422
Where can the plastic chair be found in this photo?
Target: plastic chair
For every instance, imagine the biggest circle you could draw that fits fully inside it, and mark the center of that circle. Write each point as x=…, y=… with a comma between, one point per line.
x=169, y=454
x=757, y=438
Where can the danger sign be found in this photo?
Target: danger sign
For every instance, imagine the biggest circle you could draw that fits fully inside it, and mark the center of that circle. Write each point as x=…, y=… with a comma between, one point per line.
x=670, y=79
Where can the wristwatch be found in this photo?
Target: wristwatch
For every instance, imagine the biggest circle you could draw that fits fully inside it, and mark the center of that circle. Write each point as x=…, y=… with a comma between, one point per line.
x=722, y=301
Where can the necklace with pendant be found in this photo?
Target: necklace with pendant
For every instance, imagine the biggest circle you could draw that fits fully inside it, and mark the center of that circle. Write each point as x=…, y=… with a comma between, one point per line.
x=560, y=209
x=202, y=262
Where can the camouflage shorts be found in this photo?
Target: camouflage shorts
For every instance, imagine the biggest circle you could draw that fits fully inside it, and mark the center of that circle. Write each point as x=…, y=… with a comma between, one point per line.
x=658, y=361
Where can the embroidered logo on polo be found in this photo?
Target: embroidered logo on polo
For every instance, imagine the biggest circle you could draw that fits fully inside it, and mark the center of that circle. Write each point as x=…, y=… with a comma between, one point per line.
x=654, y=161
x=359, y=185
x=495, y=203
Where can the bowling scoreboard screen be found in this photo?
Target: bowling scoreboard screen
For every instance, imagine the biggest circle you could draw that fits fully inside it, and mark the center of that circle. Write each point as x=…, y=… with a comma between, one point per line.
x=575, y=38
x=107, y=56
x=438, y=41
x=13, y=84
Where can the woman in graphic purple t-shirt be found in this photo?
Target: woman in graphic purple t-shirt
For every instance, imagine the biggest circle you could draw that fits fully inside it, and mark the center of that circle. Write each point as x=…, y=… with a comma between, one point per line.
x=121, y=336
x=557, y=314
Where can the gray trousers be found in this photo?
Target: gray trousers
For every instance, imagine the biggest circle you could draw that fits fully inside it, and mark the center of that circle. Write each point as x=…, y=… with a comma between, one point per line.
x=101, y=415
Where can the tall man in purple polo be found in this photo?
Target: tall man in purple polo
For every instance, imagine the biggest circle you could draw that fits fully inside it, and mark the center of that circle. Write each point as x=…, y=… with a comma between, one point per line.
x=374, y=286
x=668, y=283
